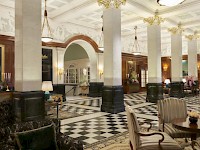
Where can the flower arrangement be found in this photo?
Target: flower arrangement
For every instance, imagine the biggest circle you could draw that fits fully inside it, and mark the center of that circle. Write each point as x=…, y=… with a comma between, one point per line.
x=193, y=117
x=133, y=77
x=193, y=114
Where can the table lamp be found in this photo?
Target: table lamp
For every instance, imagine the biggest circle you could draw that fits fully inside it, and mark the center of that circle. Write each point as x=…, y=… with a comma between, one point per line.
x=167, y=82
x=47, y=86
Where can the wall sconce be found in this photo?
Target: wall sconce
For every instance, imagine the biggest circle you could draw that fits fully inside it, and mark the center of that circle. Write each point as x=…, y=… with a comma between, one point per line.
x=165, y=67
x=60, y=71
x=100, y=71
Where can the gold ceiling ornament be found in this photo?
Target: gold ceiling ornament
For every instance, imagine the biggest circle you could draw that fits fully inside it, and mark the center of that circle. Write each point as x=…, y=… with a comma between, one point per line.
x=111, y=3
x=176, y=30
x=46, y=30
x=194, y=36
x=155, y=20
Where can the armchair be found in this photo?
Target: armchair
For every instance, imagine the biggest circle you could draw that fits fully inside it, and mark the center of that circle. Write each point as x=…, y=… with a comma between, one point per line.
x=147, y=141
x=168, y=110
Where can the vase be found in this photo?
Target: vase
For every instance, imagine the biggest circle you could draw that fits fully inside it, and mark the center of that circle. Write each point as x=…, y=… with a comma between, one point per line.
x=193, y=119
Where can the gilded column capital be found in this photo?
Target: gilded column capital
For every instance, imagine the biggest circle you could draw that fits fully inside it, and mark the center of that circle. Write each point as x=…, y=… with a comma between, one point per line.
x=176, y=30
x=111, y=3
x=191, y=37
x=155, y=20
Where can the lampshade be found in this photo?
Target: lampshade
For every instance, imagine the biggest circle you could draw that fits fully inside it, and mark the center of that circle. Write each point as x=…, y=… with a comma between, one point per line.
x=170, y=2
x=46, y=30
x=47, y=86
x=167, y=81
x=184, y=80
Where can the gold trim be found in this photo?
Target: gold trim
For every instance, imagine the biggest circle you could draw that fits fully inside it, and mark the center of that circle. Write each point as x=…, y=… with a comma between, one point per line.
x=191, y=37
x=111, y=3
x=176, y=30
x=156, y=19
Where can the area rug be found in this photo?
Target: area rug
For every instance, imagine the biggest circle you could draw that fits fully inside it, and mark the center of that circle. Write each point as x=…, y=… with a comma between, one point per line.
x=121, y=142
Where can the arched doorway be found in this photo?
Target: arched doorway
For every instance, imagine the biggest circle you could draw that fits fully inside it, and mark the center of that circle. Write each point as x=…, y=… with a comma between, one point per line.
x=81, y=55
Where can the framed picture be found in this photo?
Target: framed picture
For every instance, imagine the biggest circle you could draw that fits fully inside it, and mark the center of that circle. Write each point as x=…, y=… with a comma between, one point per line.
x=130, y=67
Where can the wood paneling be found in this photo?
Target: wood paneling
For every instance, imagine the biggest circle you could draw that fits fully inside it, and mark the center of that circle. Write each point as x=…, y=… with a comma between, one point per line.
x=8, y=42
x=141, y=63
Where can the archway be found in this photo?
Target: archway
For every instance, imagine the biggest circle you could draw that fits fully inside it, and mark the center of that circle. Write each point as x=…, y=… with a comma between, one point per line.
x=91, y=50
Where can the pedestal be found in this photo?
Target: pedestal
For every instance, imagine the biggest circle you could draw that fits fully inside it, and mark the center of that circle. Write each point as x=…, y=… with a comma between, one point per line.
x=95, y=89
x=29, y=105
x=154, y=92
x=177, y=89
x=113, y=99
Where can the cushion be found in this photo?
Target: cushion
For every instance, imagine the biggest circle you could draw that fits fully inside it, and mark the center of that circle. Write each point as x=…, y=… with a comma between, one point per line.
x=43, y=138
x=151, y=143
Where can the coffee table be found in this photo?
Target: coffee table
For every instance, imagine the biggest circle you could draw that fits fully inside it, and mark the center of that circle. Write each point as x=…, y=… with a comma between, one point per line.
x=185, y=125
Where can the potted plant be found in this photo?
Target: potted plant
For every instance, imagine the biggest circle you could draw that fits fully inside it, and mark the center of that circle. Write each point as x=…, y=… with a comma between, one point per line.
x=133, y=83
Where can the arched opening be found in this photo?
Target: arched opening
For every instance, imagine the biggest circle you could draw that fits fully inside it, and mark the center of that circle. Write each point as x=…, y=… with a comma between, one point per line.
x=80, y=65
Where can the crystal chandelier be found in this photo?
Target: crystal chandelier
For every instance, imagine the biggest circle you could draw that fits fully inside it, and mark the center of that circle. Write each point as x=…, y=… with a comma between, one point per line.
x=111, y=3
x=136, y=47
x=170, y=2
x=46, y=30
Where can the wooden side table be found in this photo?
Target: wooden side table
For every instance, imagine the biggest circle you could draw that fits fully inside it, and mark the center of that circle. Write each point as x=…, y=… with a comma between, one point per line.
x=185, y=125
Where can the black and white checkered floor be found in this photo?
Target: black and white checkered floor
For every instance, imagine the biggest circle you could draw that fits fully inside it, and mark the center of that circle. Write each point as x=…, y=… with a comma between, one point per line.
x=93, y=125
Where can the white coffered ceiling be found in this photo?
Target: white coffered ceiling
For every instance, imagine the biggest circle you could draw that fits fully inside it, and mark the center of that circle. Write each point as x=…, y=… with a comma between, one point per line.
x=88, y=13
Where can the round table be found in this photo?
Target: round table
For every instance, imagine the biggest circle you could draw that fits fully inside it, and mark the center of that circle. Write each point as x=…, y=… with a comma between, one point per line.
x=185, y=125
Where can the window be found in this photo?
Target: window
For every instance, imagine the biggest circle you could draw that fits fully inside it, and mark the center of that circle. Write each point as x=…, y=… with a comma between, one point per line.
x=144, y=77
x=77, y=75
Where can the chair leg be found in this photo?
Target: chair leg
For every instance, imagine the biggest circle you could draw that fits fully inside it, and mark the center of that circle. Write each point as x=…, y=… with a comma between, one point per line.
x=131, y=145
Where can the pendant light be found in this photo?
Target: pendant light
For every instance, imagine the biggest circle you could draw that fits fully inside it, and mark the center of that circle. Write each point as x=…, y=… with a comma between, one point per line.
x=46, y=30
x=136, y=47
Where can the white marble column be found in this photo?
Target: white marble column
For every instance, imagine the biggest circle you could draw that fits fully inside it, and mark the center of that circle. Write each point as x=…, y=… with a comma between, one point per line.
x=154, y=54
x=192, y=58
x=112, y=47
x=176, y=55
x=112, y=94
x=28, y=52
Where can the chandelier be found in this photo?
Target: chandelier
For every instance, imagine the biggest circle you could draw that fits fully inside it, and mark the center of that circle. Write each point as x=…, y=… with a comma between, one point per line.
x=46, y=30
x=111, y=3
x=136, y=47
x=170, y=2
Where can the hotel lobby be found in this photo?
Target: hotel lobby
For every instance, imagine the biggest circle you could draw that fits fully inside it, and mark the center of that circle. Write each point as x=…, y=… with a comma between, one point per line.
x=82, y=66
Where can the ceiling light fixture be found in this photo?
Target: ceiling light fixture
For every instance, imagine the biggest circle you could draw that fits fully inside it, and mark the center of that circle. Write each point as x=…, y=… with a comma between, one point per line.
x=46, y=30
x=169, y=2
x=101, y=47
x=111, y=3
x=136, y=47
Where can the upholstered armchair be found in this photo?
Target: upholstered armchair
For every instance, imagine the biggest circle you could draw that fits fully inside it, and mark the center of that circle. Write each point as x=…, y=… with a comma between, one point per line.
x=168, y=110
x=148, y=140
